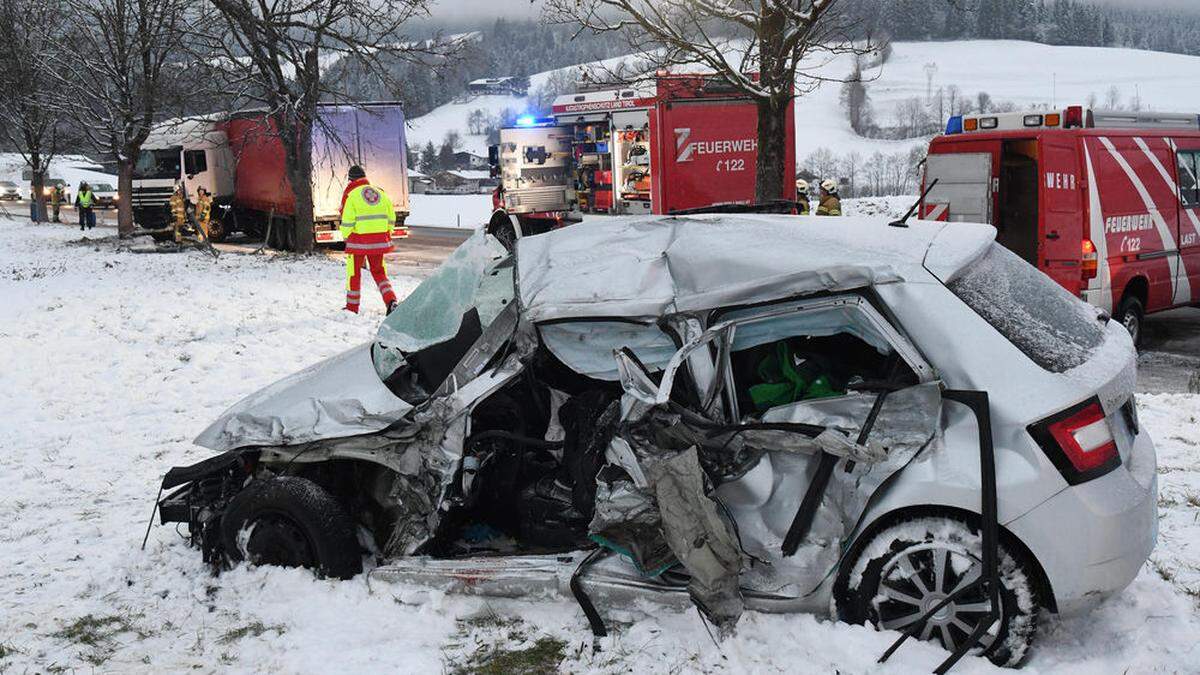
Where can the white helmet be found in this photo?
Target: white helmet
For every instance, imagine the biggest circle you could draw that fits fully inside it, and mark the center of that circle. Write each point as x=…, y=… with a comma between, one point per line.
x=801, y=186
x=829, y=185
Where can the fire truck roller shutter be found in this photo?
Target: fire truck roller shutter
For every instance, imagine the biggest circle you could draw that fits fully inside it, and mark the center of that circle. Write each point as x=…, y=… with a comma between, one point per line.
x=964, y=183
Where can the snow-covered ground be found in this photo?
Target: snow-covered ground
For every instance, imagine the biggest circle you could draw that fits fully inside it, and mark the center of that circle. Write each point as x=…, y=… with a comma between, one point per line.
x=461, y=211
x=111, y=362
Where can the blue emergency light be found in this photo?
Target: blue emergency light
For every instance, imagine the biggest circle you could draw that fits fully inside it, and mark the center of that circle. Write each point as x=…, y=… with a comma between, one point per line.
x=532, y=121
x=954, y=125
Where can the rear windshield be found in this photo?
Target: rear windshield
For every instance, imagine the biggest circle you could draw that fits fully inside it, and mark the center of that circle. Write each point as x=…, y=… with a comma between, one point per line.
x=1053, y=328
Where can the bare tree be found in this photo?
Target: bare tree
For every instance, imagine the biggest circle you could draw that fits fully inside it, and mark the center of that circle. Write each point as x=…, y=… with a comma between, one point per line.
x=124, y=59
x=28, y=120
x=276, y=54
x=759, y=47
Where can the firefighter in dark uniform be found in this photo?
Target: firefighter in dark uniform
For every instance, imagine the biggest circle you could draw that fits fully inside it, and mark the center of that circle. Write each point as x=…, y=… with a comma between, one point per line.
x=802, y=207
x=829, y=204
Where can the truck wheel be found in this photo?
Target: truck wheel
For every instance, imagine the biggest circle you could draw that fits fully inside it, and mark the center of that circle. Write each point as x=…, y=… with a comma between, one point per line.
x=290, y=521
x=1131, y=314
x=217, y=232
x=904, y=570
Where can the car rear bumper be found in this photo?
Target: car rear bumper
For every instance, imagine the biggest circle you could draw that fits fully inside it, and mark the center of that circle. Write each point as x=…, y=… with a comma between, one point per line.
x=1092, y=539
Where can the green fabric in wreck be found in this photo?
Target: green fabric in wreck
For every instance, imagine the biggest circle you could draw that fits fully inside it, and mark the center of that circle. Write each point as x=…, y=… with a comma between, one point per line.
x=784, y=382
x=631, y=557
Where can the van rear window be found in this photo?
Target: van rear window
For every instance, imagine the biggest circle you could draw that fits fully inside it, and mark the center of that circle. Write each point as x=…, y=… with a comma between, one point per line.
x=1053, y=328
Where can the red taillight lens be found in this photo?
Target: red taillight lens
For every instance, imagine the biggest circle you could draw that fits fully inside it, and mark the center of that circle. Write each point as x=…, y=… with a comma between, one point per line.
x=1074, y=117
x=1079, y=441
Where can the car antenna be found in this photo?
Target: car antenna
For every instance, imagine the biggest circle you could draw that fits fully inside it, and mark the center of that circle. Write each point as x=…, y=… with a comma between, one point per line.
x=903, y=222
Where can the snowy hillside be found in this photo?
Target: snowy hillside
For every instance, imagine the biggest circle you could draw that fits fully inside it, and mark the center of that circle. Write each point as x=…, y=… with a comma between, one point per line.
x=71, y=168
x=1026, y=74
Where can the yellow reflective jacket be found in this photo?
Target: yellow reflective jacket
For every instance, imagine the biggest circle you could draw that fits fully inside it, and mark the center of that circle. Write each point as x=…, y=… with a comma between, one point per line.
x=367, y=219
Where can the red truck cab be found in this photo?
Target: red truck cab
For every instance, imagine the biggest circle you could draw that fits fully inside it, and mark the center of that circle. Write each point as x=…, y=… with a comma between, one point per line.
x=679, y=143
x=1106, y=204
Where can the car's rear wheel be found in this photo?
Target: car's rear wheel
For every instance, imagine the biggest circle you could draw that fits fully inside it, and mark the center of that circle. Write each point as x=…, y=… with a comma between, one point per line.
x=901, y=572
x=291, y=522
x=1131, y=314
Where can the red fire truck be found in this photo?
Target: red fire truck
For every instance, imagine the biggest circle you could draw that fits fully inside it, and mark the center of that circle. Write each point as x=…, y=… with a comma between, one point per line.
x=1105, y=203
x=681, y=142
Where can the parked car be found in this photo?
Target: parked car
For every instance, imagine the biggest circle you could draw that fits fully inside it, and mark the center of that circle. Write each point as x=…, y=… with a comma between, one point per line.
x=637, y=409
x=48, y=188
x=9, y=191
x=106, y=195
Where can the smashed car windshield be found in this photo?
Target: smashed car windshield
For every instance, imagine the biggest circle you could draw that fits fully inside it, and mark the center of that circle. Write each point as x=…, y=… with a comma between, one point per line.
x=470, y=278
x=587, y=346
x=1054, y=329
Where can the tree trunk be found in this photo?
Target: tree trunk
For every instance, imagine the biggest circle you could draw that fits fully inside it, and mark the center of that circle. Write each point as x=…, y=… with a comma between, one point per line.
x=37, y=185
x=296, y=137
x=125, y=225
x=769, y=180
x=303, y=237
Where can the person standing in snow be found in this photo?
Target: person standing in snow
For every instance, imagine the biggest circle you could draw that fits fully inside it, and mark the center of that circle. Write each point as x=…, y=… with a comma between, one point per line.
x=829, y=205
x=178, y=212
x=56, y=198
x=367, y=222
x=79, y=211
x=802, y=207
x=86, y=200
x=203, y=210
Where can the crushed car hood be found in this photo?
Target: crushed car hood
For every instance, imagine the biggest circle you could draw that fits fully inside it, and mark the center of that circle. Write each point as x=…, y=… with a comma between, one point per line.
x=338, y=397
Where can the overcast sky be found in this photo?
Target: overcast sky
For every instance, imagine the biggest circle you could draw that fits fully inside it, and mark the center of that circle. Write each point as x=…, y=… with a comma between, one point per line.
x=467, y=9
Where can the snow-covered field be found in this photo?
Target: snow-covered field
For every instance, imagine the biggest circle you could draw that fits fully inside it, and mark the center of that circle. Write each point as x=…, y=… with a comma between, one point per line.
x=110, y=362
x=73, y=169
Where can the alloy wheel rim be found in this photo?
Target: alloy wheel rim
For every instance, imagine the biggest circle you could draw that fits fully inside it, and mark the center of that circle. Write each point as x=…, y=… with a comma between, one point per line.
x=917, y=579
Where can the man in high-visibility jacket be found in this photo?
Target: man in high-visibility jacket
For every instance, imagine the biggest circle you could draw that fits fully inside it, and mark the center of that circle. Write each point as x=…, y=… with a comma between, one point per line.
x=86, y=201
x=367, y=222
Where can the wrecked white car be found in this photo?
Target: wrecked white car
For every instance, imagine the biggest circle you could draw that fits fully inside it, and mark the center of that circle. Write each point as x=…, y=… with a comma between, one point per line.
x=907, y=426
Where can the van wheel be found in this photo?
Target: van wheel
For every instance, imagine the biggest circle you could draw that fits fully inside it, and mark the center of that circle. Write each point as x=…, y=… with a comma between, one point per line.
x=291, y=522
x=1131, y=313
x=904, y=570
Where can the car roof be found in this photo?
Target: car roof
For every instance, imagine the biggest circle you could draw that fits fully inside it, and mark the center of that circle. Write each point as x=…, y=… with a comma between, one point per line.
x=651, y=266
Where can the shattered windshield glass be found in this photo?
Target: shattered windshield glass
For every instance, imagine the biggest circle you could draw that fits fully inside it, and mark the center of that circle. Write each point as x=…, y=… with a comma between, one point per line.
x=1053, y=328
x=473, y=277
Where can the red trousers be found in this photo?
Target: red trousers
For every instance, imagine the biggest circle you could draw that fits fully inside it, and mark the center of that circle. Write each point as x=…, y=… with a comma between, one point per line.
x=354, y=265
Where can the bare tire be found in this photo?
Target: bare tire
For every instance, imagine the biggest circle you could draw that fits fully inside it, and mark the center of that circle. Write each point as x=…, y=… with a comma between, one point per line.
x=901, y=572
x=291, y=522
x=1131, y=313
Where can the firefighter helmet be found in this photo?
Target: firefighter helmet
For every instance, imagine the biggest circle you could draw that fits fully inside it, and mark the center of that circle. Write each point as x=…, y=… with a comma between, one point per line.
x=801, y=186
x=829, y=185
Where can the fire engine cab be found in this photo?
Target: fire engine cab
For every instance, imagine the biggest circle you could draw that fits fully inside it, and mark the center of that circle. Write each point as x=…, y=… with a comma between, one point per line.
x=677, y=143
x=1105, y=203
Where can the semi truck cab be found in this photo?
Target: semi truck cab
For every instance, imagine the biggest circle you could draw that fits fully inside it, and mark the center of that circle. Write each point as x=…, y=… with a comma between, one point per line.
x=193, y=151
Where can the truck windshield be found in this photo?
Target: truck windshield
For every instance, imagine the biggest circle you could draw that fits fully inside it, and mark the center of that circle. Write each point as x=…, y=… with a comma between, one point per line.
x=157, y=164
x=1054, y=329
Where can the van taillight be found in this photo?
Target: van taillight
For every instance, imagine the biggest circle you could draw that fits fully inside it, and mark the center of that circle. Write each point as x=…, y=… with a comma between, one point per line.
x=1074, y=118
x=1079, y=441
x=1091, y=263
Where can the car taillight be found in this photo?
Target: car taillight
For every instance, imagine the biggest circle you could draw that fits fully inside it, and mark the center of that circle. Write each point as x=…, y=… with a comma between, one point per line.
x=1079, y=441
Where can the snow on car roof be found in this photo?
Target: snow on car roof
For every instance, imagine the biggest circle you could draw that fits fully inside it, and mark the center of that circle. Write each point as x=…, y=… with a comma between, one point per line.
x=657, y=265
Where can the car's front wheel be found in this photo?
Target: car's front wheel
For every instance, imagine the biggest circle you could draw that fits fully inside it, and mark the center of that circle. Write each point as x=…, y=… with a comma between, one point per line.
x=900, y=573
x=290, y=521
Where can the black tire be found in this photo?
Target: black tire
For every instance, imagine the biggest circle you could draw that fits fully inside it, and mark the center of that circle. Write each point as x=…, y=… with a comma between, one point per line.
x=291, y=522
x=890, y=576
x=217, y=231
x=1131, y=314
